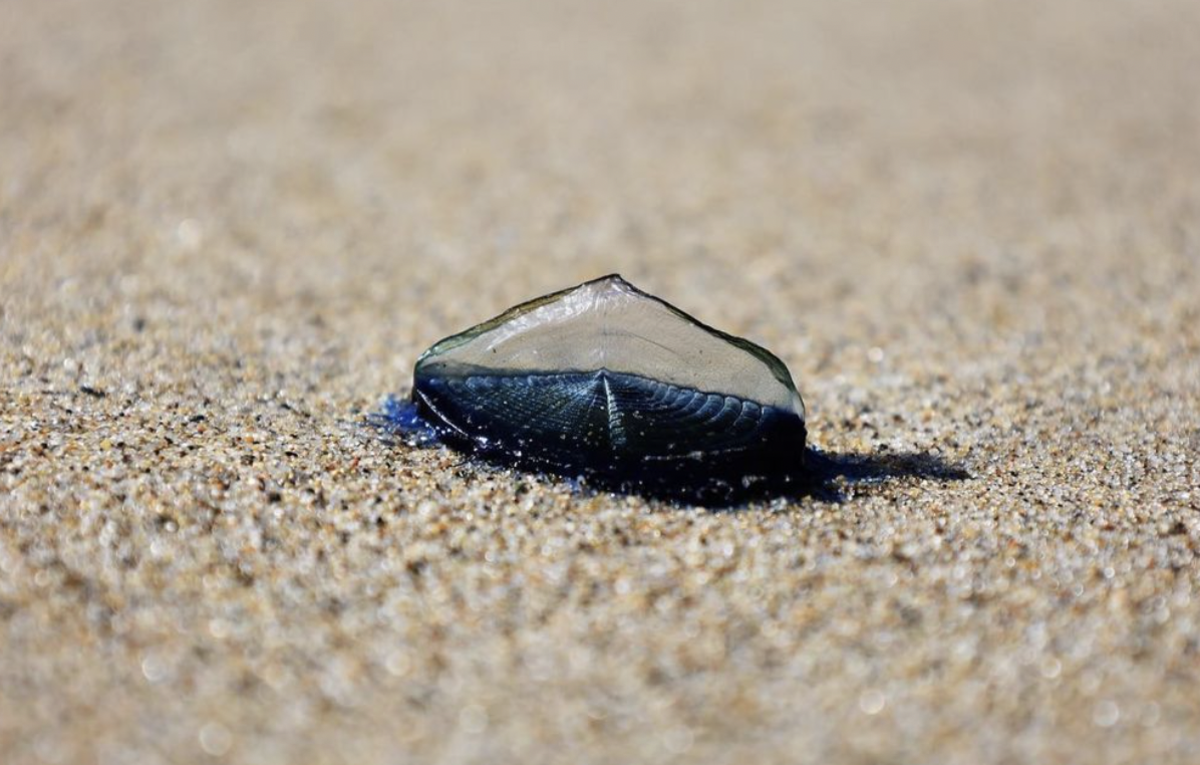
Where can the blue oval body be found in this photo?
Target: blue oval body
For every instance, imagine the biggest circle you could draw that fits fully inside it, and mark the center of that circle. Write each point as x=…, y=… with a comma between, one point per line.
x=607, y=382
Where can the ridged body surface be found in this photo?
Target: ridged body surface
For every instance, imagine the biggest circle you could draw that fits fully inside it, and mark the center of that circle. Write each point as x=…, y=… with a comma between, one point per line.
x=609, y=422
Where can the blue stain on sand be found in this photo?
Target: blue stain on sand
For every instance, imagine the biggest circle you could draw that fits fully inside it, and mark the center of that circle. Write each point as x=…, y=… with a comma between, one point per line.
x=399, y=419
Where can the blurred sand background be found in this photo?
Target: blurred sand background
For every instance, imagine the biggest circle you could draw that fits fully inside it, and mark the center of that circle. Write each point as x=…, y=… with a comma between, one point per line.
x=227, y=229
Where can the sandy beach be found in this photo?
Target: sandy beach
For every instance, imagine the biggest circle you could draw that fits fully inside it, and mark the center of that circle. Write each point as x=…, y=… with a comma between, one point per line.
x=971, y=230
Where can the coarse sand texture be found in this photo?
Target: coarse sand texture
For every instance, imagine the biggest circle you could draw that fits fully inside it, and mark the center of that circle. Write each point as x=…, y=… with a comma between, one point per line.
x=970, y=229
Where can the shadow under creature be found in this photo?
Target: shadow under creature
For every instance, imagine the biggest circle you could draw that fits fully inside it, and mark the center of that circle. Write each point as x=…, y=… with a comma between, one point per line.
x=821, y=475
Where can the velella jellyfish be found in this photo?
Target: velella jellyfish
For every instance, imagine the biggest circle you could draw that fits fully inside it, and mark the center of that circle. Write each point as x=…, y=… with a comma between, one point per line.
x=606, y=382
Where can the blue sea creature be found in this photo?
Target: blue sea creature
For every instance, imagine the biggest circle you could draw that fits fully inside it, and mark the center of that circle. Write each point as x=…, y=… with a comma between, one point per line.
x=607, y=382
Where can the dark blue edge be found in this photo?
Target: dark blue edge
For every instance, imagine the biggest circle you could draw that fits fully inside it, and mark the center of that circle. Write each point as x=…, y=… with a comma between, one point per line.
x=400, y=419
x=823, y=475
x=708, y=482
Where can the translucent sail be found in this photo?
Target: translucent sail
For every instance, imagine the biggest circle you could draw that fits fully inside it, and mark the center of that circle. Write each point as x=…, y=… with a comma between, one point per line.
x=608, y=324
